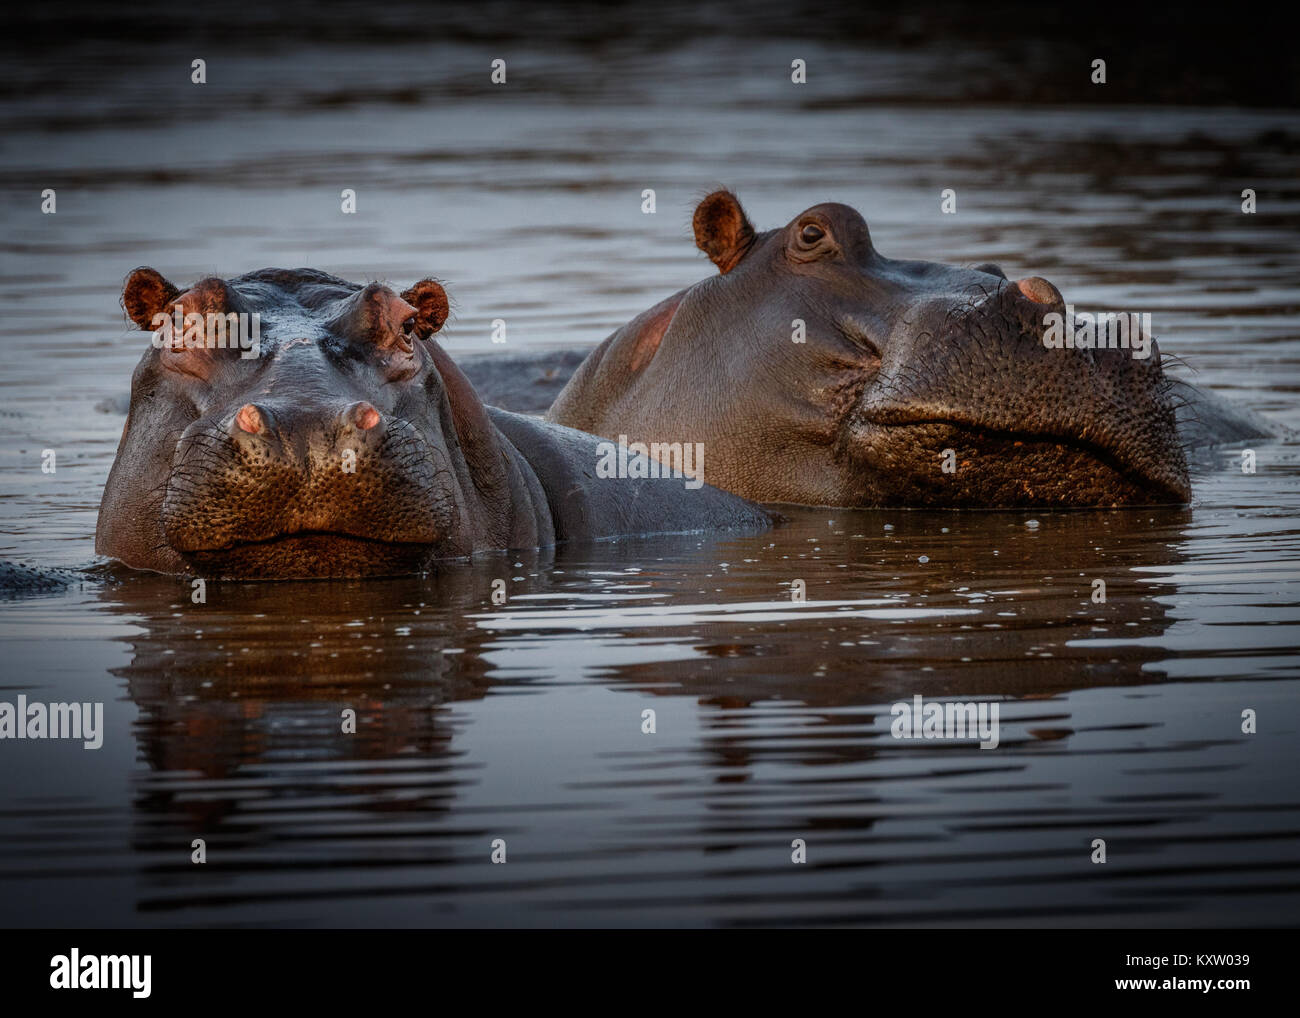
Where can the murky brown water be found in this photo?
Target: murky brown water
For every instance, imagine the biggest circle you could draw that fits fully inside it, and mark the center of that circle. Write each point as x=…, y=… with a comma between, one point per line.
x=523, y=721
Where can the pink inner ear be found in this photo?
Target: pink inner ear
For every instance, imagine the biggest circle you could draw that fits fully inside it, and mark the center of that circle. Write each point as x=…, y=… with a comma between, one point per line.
x=648, y=328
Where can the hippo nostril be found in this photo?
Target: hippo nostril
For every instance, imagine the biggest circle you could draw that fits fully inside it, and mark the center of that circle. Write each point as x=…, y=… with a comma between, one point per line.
x=251, y=419
x=1039, y=290
x=363, y=415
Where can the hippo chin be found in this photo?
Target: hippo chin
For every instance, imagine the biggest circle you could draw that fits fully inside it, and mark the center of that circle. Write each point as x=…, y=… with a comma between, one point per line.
x=287, y=423
x=815, y=370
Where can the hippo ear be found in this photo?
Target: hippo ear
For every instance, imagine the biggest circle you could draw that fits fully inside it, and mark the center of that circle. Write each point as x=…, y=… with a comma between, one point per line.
x=147, y=294
x=431, y=306
x=722, y=230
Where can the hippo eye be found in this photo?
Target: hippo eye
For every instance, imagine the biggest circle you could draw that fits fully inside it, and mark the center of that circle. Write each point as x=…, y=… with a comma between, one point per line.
x=811, y=233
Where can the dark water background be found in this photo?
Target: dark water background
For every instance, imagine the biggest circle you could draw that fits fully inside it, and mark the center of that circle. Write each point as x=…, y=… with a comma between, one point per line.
x=523, y=721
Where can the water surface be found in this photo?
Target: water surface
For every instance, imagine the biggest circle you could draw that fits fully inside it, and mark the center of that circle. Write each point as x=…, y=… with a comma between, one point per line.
x=523, y=721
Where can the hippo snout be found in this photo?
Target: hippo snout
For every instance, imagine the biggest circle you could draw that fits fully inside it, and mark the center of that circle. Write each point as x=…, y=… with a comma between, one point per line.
x=274, y=471
x=1026, y=399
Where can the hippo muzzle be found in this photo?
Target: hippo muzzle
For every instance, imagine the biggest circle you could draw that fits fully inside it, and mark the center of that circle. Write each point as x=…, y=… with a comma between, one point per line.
x=273, y=489
x=971, y=407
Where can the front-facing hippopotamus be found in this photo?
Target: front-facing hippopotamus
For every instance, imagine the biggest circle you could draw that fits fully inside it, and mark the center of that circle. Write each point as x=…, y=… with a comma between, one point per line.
x=288, y=424
x=815, y=370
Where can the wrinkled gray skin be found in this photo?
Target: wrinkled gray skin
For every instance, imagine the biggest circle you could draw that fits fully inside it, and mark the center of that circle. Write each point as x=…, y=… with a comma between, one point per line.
x=902, y=361
x=235, y=467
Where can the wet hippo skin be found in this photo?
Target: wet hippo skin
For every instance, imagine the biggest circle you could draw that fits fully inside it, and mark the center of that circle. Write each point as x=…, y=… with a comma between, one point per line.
x=345, y=442
x=817, y=371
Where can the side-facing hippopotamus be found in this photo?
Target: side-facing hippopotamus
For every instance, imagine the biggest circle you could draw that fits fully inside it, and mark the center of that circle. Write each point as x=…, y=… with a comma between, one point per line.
x=337, y=438
x=815, y=370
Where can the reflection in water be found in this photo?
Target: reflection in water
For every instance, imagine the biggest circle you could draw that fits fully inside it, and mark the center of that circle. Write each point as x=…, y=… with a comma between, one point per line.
x=243, y=730
x=478, y=721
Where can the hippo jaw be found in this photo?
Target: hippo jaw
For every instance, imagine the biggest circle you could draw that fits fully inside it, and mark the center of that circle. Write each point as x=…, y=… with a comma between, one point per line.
x=310, y=556
x=1001, y=469
x=267, y=519
x=296, y=501
x=982, y=414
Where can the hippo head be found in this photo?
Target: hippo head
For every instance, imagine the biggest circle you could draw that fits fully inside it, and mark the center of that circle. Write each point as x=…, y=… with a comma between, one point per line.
x=287, y=423
x=818, y=371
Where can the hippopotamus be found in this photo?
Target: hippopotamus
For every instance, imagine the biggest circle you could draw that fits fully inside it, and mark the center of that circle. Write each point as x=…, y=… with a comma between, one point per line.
x=335, y=437
x=815, y=370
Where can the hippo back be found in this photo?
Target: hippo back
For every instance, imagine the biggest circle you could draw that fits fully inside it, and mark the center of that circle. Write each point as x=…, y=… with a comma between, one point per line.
x=585, y=505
